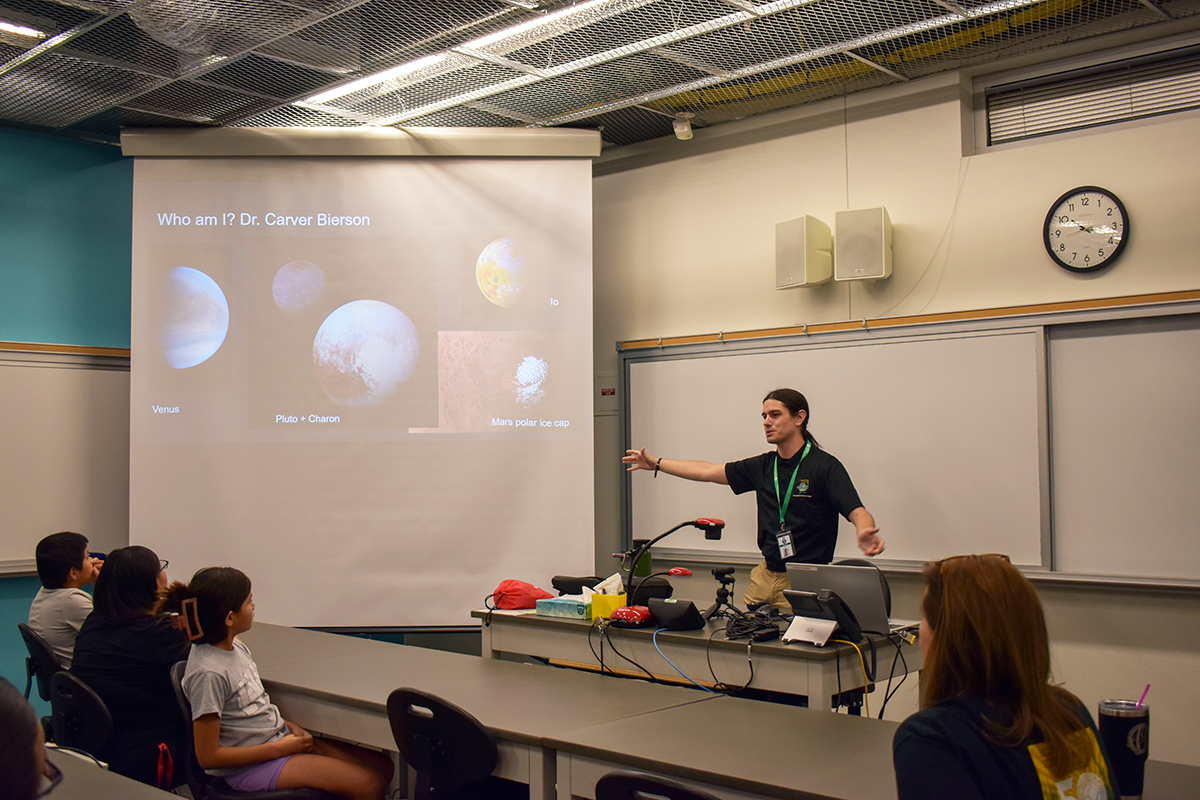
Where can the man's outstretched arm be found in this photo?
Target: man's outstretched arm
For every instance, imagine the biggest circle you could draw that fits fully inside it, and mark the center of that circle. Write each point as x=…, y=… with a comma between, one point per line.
x=690, y=470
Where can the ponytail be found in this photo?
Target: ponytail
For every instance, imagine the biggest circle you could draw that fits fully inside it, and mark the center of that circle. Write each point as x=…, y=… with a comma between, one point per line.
x=204, y=604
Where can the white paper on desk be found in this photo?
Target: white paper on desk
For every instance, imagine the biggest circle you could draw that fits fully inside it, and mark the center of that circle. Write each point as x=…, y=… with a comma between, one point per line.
x=613, y=584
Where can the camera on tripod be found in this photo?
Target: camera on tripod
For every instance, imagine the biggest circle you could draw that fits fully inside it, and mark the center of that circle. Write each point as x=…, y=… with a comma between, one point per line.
x=722, y=608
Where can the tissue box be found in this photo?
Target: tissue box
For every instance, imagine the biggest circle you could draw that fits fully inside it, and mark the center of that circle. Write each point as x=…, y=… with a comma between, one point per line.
x=561, y=607
x=604, y=604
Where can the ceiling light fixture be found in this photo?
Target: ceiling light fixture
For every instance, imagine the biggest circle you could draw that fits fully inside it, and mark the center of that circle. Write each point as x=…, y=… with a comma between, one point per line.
x=429, y=61
x=683, y=125
x=533, y=24
x=21, y=30
x=377, y=78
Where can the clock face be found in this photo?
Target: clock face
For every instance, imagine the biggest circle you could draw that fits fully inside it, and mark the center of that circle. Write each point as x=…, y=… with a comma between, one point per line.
x=1086, y=229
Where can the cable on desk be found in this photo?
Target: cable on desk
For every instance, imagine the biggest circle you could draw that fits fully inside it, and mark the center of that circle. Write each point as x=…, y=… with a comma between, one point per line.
x=598, y=625
x=749, y=623
x=672, y=663
x=607, y=636
x=862, y=662
x=890, y=691
x=721, y=685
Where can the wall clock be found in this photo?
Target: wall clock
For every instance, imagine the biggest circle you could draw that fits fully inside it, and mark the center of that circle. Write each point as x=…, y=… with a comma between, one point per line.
x=1086, y=229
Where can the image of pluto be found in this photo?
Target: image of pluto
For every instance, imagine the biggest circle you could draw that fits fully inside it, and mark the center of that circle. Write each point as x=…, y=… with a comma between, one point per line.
x=500, y=271
x=195, y=318
x=363, y=351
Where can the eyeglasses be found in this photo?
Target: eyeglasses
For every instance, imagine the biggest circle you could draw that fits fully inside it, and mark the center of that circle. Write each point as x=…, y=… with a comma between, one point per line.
x=52, y=777
x=937, y=575
x=162, y=564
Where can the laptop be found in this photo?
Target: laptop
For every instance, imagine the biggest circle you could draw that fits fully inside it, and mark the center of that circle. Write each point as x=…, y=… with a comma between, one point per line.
x=861, y=589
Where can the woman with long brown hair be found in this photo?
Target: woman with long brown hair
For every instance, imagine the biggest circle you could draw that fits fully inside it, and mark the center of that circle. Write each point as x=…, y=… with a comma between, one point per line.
x=991, y=724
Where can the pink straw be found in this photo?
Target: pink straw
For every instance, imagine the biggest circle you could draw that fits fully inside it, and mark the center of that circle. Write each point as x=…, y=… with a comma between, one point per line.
x=1143, y=697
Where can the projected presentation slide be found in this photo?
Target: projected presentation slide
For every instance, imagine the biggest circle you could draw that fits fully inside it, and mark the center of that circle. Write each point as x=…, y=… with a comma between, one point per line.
x=411, y=298
x=371, y=372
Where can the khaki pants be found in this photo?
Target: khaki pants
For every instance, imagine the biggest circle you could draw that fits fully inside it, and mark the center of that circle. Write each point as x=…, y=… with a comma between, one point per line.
x=767, y=587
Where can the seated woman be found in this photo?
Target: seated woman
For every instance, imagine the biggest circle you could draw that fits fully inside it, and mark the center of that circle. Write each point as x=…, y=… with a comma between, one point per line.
x=124, y=652
x=991, y=724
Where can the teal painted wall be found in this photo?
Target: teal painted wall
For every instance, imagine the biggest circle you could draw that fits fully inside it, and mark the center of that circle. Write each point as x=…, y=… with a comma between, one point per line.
x=15, y=596
x=66, y=220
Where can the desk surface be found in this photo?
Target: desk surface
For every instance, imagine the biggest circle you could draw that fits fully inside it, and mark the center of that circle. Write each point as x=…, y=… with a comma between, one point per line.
x=595, y=723
x=817, y=673
x=518, y=702
x=703, y=637
x=744, y=745
x=83, y=780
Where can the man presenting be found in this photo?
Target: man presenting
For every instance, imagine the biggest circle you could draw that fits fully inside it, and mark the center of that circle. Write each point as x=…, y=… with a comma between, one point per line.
x=800, y=489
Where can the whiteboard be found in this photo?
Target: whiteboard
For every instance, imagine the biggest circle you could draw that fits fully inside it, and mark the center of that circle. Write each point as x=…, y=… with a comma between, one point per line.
x=64, y=421
x=943, y=435
x=1125, y=428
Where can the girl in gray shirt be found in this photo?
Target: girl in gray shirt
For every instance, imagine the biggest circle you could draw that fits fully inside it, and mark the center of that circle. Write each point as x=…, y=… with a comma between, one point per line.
x=239, y=733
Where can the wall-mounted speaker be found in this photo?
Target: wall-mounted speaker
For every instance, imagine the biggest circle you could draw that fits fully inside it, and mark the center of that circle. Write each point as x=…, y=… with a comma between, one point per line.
x=862, y=248
x=802, y=253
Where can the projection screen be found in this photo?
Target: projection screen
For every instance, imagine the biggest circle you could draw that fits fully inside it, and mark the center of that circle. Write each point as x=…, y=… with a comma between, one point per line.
x=365, y=382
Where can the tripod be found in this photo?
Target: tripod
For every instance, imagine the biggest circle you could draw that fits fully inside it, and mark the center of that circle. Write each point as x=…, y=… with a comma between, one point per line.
x=722, y=608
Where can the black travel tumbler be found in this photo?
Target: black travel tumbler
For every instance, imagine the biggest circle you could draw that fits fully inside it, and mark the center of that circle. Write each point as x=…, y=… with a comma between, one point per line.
x=1125, y=731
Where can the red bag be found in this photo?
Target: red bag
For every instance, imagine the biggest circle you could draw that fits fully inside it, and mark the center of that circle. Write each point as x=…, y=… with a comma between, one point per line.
x=517, y=594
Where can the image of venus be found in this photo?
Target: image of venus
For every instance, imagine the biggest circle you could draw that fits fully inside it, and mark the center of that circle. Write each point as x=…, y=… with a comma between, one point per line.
x=363, y=351
x=196, y=318
x=499, y=272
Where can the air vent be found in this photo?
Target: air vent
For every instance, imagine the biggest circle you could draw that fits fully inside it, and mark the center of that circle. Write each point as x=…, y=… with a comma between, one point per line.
x=1135, y=88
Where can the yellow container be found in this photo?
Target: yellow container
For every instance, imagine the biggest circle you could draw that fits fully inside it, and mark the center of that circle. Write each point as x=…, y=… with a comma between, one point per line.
x=604, y=604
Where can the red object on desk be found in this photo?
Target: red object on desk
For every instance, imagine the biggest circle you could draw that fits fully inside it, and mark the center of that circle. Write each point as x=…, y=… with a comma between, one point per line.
x=631, y=617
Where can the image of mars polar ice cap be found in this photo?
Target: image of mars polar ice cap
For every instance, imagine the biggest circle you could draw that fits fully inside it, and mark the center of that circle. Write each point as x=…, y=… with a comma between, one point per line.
x=363, y=351
x=500, y=270
x=196, y=318
x=297, y=285
x=530, y=379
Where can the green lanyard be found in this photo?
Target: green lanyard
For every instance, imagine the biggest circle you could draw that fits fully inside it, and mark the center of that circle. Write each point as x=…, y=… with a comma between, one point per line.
x=783, y=502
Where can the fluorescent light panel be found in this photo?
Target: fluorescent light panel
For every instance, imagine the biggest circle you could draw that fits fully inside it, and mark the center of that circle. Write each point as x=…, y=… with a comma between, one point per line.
x=428, y=61
x=21, y=30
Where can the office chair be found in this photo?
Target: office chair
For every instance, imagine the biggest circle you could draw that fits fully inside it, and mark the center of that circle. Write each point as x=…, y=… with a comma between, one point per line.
x=41, y=662
x=446, y=746
x=207, y=787
x=862, y=562
x=79, y=718
x=623, y=785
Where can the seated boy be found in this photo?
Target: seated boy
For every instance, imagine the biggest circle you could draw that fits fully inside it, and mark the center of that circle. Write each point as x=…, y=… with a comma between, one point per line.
x=61, y=605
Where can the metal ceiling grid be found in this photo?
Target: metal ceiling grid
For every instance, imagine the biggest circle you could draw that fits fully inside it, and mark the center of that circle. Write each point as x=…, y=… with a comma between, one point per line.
x=625, y=66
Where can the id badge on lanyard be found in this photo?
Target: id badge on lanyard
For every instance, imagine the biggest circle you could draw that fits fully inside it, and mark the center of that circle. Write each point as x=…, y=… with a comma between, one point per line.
x=783, y=539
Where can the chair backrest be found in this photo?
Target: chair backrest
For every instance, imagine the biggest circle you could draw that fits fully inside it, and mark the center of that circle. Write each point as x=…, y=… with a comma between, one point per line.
x=622, y=785
x=195, y=777
x=445, y=745
x=78, y=716
x=41, y=663
x=862, y=562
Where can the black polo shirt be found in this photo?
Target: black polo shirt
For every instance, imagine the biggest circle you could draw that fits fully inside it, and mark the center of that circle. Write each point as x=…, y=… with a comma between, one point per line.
x=823, y=490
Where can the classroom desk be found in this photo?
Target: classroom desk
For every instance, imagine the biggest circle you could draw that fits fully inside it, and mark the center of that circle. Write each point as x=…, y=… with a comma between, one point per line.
x=559, y=730
x=708, y=745
x=737, y=749
x=339, y=685
x=83, y=780
x=796, y=668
